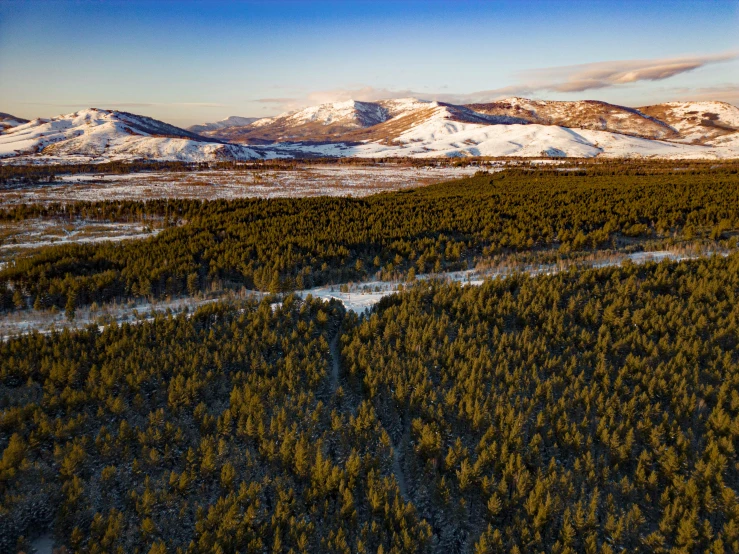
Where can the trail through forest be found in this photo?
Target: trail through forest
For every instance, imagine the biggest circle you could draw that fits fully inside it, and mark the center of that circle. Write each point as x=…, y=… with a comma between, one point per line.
x=397, y=465
x=335, y=361
x=335, y=351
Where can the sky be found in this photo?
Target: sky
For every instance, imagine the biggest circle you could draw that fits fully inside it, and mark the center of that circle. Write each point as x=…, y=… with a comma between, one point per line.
x=191, y=62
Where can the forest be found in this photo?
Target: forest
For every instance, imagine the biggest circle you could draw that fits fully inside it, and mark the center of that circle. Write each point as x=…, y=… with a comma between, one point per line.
x=279, y=245
x=589, y=411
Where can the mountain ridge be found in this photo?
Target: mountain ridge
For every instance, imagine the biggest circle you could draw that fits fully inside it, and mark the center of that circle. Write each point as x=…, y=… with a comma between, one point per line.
x=339, y=121
x=406, y=127
x=95, y=133
x=231, y=121
x=8, y=121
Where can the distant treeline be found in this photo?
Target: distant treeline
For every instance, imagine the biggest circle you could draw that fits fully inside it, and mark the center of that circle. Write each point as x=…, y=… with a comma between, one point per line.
x=32, y=173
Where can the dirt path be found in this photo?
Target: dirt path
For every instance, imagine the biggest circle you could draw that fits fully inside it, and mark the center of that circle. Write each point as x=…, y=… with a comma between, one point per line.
x=398, y=472
x=335, y=360
x=398, y=455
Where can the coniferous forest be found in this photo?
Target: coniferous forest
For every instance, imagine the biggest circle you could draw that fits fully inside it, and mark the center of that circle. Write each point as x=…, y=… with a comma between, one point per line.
x=591, y=410
x=280, y=245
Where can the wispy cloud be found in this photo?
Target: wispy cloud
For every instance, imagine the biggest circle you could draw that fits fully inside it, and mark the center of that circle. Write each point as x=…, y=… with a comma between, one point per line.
x=131, y=104
x=564, y=79
x=363, y=94
x=725, y=93
x=579, y=78
x=282, y=101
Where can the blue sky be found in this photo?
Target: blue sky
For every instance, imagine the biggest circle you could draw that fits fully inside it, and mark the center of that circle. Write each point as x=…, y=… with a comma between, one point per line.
x=188, y=62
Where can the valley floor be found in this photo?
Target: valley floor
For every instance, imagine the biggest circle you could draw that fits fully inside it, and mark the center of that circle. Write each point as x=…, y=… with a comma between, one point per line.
x=303, y=181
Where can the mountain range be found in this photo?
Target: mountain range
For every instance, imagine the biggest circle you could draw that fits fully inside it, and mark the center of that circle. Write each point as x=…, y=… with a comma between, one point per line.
x=233, y=121
x=389, y=128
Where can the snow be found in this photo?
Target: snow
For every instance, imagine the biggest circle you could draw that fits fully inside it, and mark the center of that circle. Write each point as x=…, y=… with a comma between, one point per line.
x=443, y=134
x=361, y=297
x=689, y=119
x=77, y=240
x=403, y=106
x=43, y=544
x=365, y=113
x=103, y=135
x=440, y=131
x=357, y=297
x=352, y=113
x=304, y=181
x=132, y=313
x=35, y=233
x=233, y=121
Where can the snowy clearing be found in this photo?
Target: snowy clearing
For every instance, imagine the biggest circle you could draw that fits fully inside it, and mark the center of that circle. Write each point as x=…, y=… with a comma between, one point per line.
x=318, y=180
x=361, y=297
x=356, y=297
x=16, y=237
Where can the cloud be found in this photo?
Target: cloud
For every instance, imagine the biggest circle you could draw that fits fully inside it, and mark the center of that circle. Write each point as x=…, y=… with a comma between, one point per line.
x=724, y=93
x=363, y=94
x=132, y=104
x=564, y=79
x=599, y=75
x=275, y=100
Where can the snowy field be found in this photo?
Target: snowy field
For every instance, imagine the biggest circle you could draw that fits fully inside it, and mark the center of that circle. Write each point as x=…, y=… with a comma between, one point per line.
x=327, y=180
x=356, y=297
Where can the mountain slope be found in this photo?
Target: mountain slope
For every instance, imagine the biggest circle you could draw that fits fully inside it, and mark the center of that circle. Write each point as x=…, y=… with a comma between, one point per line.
x=392, y=128
x=109, y=135
x=326, y=122
x=583, y=114
x=697, y=122
x=445, y=130
x=8, y=121
x=390, y=122
x=233, y=121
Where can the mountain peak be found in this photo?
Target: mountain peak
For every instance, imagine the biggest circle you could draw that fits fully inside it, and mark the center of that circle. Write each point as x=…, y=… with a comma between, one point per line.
x=231, y=121
x=8, y=121
x=103, y=135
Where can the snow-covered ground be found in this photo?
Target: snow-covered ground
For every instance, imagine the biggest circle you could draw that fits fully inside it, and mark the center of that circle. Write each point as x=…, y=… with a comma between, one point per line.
x=356, y=297
x=43, y=544
x=361, y=297
x=131, y=312
x=442, y=136
x=432, y=129
x=34, y=233
x=701, y=121
x=233, y=121
x=447, y=138
x=309, y=180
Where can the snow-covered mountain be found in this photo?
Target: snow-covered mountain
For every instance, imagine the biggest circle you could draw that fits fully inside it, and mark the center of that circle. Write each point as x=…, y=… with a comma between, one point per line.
x=397, y=123
x=100, y=135
x=326, y=122
x=697, y=122
x=392, y=128
x=233, y=121
x=8, y=121
x=447, y=131
x=584, y=114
